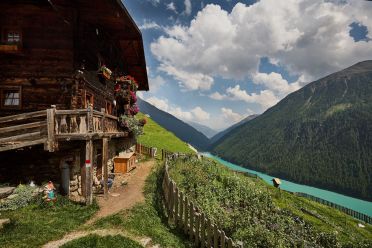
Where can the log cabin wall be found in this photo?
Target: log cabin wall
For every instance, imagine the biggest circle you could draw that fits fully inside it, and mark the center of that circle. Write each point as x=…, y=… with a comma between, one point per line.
x=41, y=63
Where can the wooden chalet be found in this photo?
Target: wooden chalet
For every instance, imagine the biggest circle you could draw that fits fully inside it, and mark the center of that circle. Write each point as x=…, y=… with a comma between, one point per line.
x=60, y=61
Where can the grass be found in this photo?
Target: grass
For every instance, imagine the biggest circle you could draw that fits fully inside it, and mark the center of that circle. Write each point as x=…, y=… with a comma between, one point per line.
x=36, y=224
x=102, y=242
x=250, y=210
x=147, y=219
x=156, y=136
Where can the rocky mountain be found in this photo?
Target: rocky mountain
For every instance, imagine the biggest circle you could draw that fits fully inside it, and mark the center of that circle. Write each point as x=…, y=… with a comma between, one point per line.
x=320, y=135
x=181, y=129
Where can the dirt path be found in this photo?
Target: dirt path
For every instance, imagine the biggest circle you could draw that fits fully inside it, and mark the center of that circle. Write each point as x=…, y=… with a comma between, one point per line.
x=124, y=197
x=120, y=198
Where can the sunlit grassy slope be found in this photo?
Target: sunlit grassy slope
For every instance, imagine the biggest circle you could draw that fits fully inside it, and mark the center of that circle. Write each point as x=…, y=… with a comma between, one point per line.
x=156, y=136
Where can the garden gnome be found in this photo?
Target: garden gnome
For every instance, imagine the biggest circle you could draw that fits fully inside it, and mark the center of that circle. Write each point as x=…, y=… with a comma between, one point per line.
x=50, y=195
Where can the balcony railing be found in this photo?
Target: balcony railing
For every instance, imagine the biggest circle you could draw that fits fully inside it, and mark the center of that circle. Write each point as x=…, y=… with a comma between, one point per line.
x=52, y=126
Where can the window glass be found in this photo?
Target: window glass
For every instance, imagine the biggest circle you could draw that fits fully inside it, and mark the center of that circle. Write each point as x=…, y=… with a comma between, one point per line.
x=11, y=98
x=13, y=37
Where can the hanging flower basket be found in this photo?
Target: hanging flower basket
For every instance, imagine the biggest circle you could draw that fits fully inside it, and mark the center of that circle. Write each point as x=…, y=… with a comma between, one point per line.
x=106, y=72
x=131, y=125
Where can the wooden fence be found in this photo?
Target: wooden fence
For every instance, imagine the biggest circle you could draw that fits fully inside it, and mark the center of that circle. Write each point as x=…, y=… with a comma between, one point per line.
x=355, y=214
x=144, y=150
x=188, y=217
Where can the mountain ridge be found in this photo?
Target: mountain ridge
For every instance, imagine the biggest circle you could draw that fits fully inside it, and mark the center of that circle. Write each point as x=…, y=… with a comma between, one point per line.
x=319, y=135
x=180, y=128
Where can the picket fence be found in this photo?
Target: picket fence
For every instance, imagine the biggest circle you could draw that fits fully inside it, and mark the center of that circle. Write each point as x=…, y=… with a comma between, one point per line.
x=144, y=150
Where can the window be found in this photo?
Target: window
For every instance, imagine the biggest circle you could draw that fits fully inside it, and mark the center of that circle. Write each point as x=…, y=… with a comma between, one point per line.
x=108, y=108
x=10, y=98
x=13, y=37
x=89, y=99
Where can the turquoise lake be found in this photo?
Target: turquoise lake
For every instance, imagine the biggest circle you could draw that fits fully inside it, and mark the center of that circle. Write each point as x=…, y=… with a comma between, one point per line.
x=361, y=206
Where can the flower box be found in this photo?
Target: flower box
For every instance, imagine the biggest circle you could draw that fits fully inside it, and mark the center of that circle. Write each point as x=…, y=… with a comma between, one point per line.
x=9, y=48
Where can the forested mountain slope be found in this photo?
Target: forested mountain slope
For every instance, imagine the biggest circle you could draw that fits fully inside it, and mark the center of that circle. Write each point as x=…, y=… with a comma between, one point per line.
x=320, y=135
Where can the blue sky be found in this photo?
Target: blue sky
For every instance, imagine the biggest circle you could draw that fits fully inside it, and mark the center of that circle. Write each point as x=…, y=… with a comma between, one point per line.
x=216, y=62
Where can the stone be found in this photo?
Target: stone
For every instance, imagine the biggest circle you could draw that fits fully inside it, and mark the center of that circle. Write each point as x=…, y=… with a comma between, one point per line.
x=12, y=196
x=6, y=191
x=73, y=188
x=4, y=222
x=74, y=183
x=79, y=191
x=74, y=194
x=145, y=241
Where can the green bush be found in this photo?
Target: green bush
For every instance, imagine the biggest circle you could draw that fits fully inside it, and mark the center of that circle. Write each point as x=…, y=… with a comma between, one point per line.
x=24, y=195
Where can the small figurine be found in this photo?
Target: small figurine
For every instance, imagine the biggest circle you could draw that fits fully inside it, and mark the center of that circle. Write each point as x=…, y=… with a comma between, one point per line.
x=49, y=192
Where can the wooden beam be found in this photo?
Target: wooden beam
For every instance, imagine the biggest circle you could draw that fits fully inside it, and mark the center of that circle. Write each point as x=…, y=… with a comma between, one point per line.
x=22, y=144
x=23, y=126
x=22, y=116
x=51, y=130
x=88, y=172
x=104, y=163
x=20, y=137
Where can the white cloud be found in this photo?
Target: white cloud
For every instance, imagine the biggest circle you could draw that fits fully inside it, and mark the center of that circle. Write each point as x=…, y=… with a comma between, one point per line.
x=230, y=115
x=217, y=96
x=196, y=114
x=310, y=38
x=188, y=80
x=275, y=82
x=200, y=115
x=149, y=25
x=156, y=83
x=188, y=7
x=154, y=2
x=171, y=6
x=265, y=98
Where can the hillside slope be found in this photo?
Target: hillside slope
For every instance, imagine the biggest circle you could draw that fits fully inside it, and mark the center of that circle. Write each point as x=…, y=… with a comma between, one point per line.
x=156, y=136
x=258, y=214
x=319, y=135
x=182, y=130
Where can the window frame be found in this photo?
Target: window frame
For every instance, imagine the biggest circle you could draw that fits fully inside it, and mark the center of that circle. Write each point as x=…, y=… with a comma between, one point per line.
x=91, y=99
x=2, y=96
x=6, y=31
x=109, y=107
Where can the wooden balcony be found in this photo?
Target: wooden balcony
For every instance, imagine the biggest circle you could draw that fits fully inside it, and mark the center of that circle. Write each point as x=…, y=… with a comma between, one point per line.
x=51, y=126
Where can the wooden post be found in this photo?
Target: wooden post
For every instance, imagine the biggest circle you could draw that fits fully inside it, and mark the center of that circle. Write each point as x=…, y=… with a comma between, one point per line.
x=170, y=201
x=197, y=229
x=181, y=222
x=229, y=243
x=103, y=110
x=223, y=237
x=209, y=233
x=90, y=119
x=50, y=127
x=192, y=215
x=88, y=172
x=215, y=236
x=176, y=203
x=202, y=230
x=186, y=207
x=104, y=163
